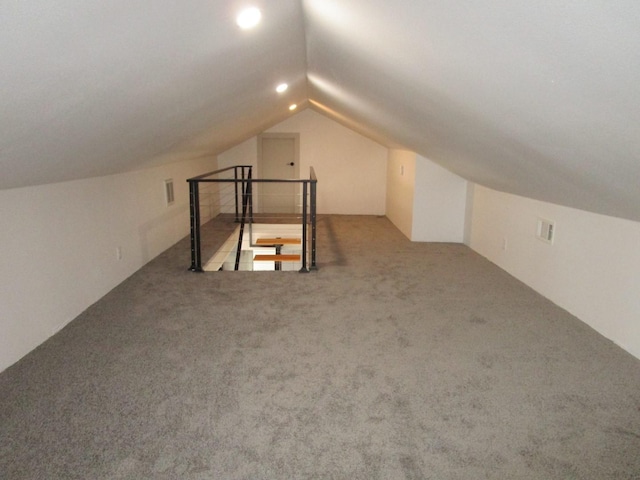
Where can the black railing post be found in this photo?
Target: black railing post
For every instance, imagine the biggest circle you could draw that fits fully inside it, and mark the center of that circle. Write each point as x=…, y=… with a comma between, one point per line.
x=246, y=194
x=194, y=206
x=250, y=192
x=250, y=176
x=235, y=188
x=312, y=208
x=304, y=228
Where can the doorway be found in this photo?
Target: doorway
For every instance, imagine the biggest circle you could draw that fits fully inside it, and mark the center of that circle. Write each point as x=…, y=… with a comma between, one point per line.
x=278, y=158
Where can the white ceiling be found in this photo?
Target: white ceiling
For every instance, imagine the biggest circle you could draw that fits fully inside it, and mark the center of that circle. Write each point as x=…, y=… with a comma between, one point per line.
x=541, y=99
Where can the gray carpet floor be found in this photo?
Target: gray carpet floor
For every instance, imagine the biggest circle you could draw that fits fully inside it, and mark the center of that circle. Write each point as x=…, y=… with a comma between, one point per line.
x=395, y=360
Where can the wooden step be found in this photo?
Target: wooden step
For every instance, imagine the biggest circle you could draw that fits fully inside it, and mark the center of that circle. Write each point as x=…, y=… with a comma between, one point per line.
x=278, y=241
x=277, y=258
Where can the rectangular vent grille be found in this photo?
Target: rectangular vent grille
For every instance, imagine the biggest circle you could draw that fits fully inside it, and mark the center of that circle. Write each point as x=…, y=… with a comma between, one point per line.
x=168, y=190
x=546, y=230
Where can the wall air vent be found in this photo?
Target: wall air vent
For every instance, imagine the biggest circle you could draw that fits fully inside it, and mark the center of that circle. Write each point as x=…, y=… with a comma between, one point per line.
x=168, y=192
x=546, y=230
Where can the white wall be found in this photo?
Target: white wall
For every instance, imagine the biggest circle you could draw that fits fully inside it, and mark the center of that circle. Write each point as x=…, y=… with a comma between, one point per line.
x=425, y=201
x=468, y=216
x=592, y=269
x=244, y=154
x=351, y=169
x=439, y=204
x=401, y=178
x=59, y=245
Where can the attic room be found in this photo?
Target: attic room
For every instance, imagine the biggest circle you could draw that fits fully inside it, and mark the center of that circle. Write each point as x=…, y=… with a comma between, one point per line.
x=454, y=134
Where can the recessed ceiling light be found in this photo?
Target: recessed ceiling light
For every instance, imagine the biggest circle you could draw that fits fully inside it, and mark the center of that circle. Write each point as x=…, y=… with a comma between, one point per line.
x=248, y=18
x=282, y=88
x=293, y=106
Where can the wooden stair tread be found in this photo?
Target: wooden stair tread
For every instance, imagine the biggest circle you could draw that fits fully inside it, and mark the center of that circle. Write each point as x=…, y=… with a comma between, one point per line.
x=278, y=241
x=277, y=258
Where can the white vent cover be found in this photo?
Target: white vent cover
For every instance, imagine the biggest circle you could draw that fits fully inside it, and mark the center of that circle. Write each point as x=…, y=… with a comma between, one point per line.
x=168, y=191
x=546, y=230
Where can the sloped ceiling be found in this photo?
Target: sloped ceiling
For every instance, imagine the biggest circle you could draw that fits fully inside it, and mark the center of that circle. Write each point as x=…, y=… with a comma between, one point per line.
x=541, y=99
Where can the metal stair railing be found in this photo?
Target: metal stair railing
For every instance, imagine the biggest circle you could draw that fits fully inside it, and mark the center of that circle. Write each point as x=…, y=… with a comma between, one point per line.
x=247, y=207
x=243, y=188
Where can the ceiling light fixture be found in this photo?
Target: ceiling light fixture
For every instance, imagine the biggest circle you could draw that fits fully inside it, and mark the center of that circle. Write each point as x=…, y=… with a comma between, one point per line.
x=282, y=88
x=248, y=18
x=293, y=106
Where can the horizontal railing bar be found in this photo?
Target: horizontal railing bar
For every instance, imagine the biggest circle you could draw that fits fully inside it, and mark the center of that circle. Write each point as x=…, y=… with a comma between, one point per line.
x=255, y=180
x=202, y=178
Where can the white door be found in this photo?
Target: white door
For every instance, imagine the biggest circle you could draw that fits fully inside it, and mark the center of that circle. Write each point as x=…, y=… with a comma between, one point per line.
x=278, y=160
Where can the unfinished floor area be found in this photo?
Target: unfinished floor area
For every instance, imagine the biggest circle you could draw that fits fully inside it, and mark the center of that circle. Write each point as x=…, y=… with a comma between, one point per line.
x=394, y=360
